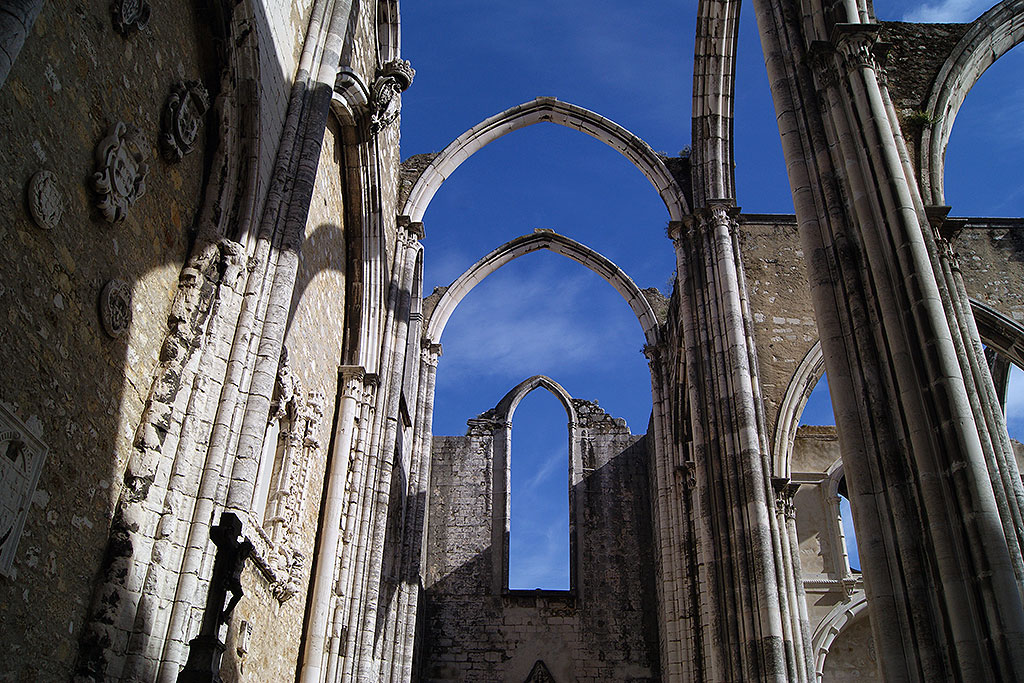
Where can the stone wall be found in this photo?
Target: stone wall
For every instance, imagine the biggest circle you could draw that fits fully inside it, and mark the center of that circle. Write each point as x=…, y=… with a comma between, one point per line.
x=780, y=303
x=603, y=630
x=75, y=79
x=993, y=269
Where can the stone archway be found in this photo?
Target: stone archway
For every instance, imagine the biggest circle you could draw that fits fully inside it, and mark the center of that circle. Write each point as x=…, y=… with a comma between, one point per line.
x=560, y=244
x=564, y=114
x=991, y=36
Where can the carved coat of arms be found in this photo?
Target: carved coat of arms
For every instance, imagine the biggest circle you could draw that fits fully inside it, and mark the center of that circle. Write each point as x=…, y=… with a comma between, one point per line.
x=120, y=178
x=183, y=118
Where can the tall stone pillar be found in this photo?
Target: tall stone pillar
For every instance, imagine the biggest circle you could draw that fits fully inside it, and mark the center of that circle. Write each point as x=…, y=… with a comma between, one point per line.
x=938, y=569
x=742, y=617
x=350, y=379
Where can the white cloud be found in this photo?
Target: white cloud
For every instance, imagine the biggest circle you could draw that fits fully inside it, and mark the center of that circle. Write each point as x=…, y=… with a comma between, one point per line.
x=558, y=457
x=529, y=321
x=948, y=11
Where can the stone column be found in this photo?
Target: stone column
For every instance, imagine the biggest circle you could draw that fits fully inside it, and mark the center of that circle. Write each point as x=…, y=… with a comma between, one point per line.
x=985, y=402
x=742, y=630
x=796, y=601
x=350, y=379
x=416, y=520
x=16, y=20
x=938, y=570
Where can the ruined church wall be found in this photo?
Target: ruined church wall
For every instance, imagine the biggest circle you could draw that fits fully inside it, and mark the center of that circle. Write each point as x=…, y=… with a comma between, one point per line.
x=780, y=303
x=82, y=390
x=315, y=342
x=990, y=260
x=604, y=630
x=314, y=346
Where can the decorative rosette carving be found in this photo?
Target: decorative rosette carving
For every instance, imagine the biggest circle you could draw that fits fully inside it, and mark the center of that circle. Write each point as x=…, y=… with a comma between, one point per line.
x=121, y=176
x=116, y=308
x=182, y=119
x=45, y=200
x=392, y=80
x=130, y=15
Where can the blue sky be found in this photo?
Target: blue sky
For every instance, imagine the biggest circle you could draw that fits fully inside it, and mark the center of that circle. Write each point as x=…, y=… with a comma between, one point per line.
x=543, y=314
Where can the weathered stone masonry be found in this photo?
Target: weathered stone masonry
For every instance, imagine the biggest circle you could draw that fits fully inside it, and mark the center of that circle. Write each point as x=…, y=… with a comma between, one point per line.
x=211, y=301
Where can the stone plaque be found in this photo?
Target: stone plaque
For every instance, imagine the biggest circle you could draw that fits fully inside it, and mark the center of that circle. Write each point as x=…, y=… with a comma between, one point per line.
x=21, y=460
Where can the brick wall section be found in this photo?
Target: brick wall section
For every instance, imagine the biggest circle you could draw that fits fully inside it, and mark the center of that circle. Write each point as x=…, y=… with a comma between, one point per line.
x=605, y=631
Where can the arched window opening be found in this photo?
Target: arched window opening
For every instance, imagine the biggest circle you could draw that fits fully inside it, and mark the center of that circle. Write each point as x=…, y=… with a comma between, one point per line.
x=539, y=531
x=985, y=145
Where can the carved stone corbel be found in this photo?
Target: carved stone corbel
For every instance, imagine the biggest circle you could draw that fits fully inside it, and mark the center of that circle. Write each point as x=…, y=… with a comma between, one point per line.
x=385, y=97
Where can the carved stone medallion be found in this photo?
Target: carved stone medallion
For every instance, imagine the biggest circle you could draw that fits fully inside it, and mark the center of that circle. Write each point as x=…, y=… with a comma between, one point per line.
x=130, y=15
x=21, y=460
x=45, y=200
x=120, y=178
x=182, y=118
x=116, y=308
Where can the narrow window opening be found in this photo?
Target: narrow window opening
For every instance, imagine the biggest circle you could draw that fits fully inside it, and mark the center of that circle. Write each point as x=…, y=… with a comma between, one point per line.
x=1013, y=406
x=818, y=409
x=538, y=552
x=849, y=534
x=269, y=462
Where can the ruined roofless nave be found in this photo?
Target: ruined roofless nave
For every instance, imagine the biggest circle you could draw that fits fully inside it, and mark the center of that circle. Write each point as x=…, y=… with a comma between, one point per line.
x=218, y=366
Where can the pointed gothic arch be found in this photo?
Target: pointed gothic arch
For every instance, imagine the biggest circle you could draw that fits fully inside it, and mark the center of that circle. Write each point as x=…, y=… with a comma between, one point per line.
x=560, y=244
x=991, y=36
x=564, y=114
x=501, y=467
x=998, y=331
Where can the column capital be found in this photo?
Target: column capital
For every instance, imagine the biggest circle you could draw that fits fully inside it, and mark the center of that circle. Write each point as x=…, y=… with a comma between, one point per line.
x=413, y=227
x=351, y=371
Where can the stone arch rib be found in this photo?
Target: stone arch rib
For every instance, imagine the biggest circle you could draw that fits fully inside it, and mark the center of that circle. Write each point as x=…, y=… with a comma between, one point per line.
x=564, y=114
x=714, y=83
x=810, y=370
x=506, y=408
x=841, y=616
x=991, y=36
x=997, y=330
x=560, y=244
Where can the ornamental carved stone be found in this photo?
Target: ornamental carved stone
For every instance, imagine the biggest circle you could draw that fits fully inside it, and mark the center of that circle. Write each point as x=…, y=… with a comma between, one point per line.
x=45, y=200
x=120, y=178
x=182, y=118
x=392, y=80
x=116, y=308
x=130, y=15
